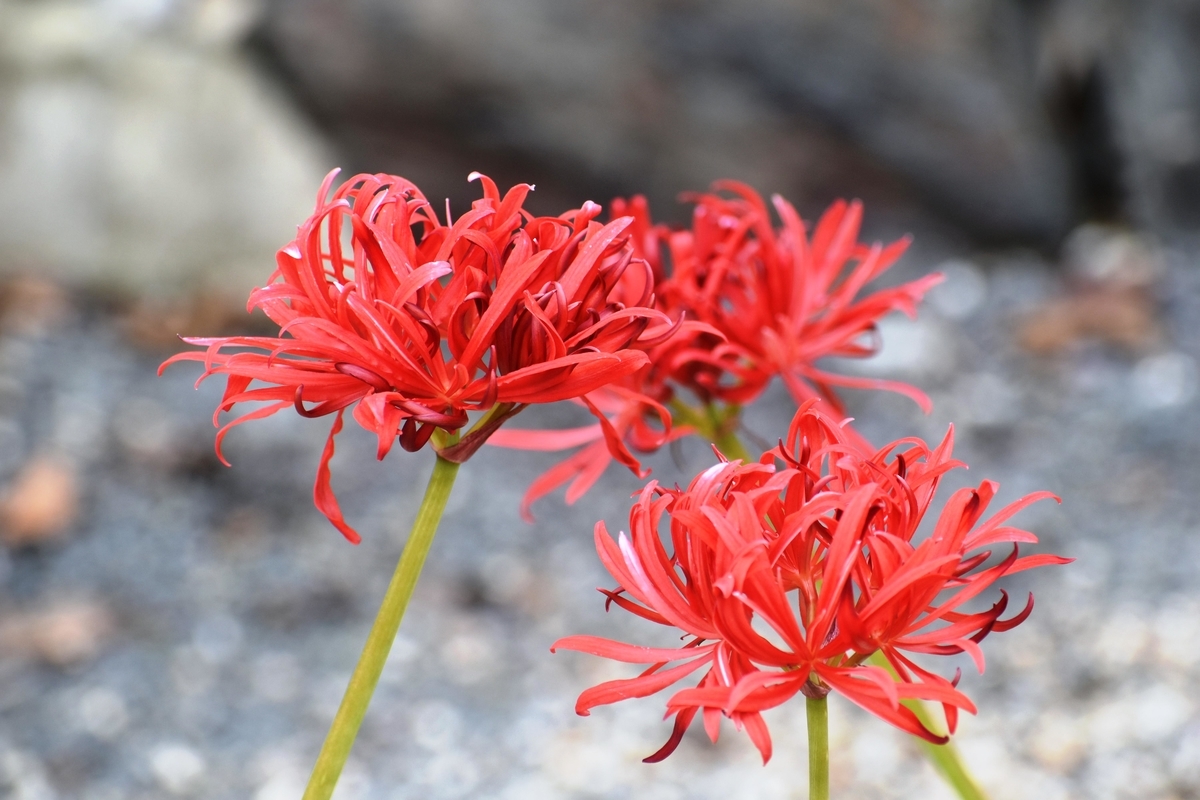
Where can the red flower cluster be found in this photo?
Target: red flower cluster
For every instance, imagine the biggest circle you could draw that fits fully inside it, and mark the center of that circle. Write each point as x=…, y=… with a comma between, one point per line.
x=781, y=300
x=754, y=302
x=419, y=322
x=786, y=580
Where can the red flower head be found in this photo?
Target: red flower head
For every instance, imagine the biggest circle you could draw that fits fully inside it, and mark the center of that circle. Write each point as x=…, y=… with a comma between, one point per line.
x=632, y=417
x=415, y=323
x=782, y=300
x=786, y=580
x=752, y=302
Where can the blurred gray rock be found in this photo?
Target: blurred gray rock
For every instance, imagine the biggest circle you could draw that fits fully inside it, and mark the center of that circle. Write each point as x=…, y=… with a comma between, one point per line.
x=139, y=149
x=1014, y=119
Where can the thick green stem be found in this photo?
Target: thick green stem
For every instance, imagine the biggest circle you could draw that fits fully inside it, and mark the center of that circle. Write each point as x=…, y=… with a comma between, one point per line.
x=350, y=714
x=818, y=748
x=944, y=757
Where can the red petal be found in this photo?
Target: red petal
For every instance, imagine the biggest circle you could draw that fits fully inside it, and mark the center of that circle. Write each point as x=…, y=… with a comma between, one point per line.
x=512, y=282
x=682, y=720
x=641, y=686
x=323, y=496
x=585, y=372
x=628, y=653
x=523, y=439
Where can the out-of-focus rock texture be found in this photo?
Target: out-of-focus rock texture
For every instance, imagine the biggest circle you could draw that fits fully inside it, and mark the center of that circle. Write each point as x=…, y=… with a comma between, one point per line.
x=143, y=145
x=173, y=628
x=140, y=150
x=1012, y=118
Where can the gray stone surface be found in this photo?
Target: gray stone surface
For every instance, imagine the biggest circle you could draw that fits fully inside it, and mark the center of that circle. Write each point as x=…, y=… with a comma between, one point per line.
x=1014, y=119
x=140, y=150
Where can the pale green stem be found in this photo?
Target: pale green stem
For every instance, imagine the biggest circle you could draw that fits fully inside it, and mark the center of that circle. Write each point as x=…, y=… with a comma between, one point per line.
x=717, y=425
x=350, y=714
x=723, y=425
x=731, y=447
x=944, y=757
x=818, y=748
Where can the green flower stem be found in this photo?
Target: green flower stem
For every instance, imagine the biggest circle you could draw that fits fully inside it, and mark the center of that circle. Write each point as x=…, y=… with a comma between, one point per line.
x=818, y=748
x=714, y=423
x=945, y=757
x=731, y=447
x=350, y=714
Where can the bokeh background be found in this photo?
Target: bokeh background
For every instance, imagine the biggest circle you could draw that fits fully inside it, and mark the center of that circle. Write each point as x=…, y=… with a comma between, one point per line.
x=173, y=628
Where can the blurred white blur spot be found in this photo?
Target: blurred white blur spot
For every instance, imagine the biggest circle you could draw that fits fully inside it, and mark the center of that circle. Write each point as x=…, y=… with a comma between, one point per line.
x=403, y=650
x=1110, y=725
x=1023, y=783
x=403, y=653
x=217, y=638
x=102, y=713
x=988, y=757
x=530, y=787
x=876, y=754
x=278, y=774
x=436, y=725
x=1122, y=639
x=25, y=775
x=51, y=33
x=1028, y=648
x=580, y=761
x=224, y=22
x=987, y=400
x=282, y=786
x=1093, y=564
x=468, y=656
x=907, y=347
x=1177, y=633
x=1165, y=380
x=1058, y=741
x=1126, y=774
x=451, y=774
x=961, y=292
x=177, y=767
x=191, y=674
x=353, y=784
x=1112, y=256
x=141, y=14
x=1185, y=763
x=277, y=677
x=1161, y=711
x=326, y=696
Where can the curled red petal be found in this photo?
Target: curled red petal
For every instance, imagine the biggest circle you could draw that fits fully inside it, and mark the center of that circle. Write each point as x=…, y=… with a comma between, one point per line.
x=682, y=720
x=323, y=495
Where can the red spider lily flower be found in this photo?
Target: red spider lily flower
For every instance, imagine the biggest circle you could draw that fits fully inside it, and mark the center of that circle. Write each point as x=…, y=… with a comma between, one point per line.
x=785, y=580
x=416, y=322
x=753, y=302
x=782, y=300
x=631, y=412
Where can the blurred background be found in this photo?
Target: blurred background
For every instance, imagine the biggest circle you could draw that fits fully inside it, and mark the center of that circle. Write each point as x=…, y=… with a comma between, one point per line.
x=170, y=627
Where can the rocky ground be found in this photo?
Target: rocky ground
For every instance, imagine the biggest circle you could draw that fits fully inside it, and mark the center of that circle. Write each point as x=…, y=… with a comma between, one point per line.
x=170, y=627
